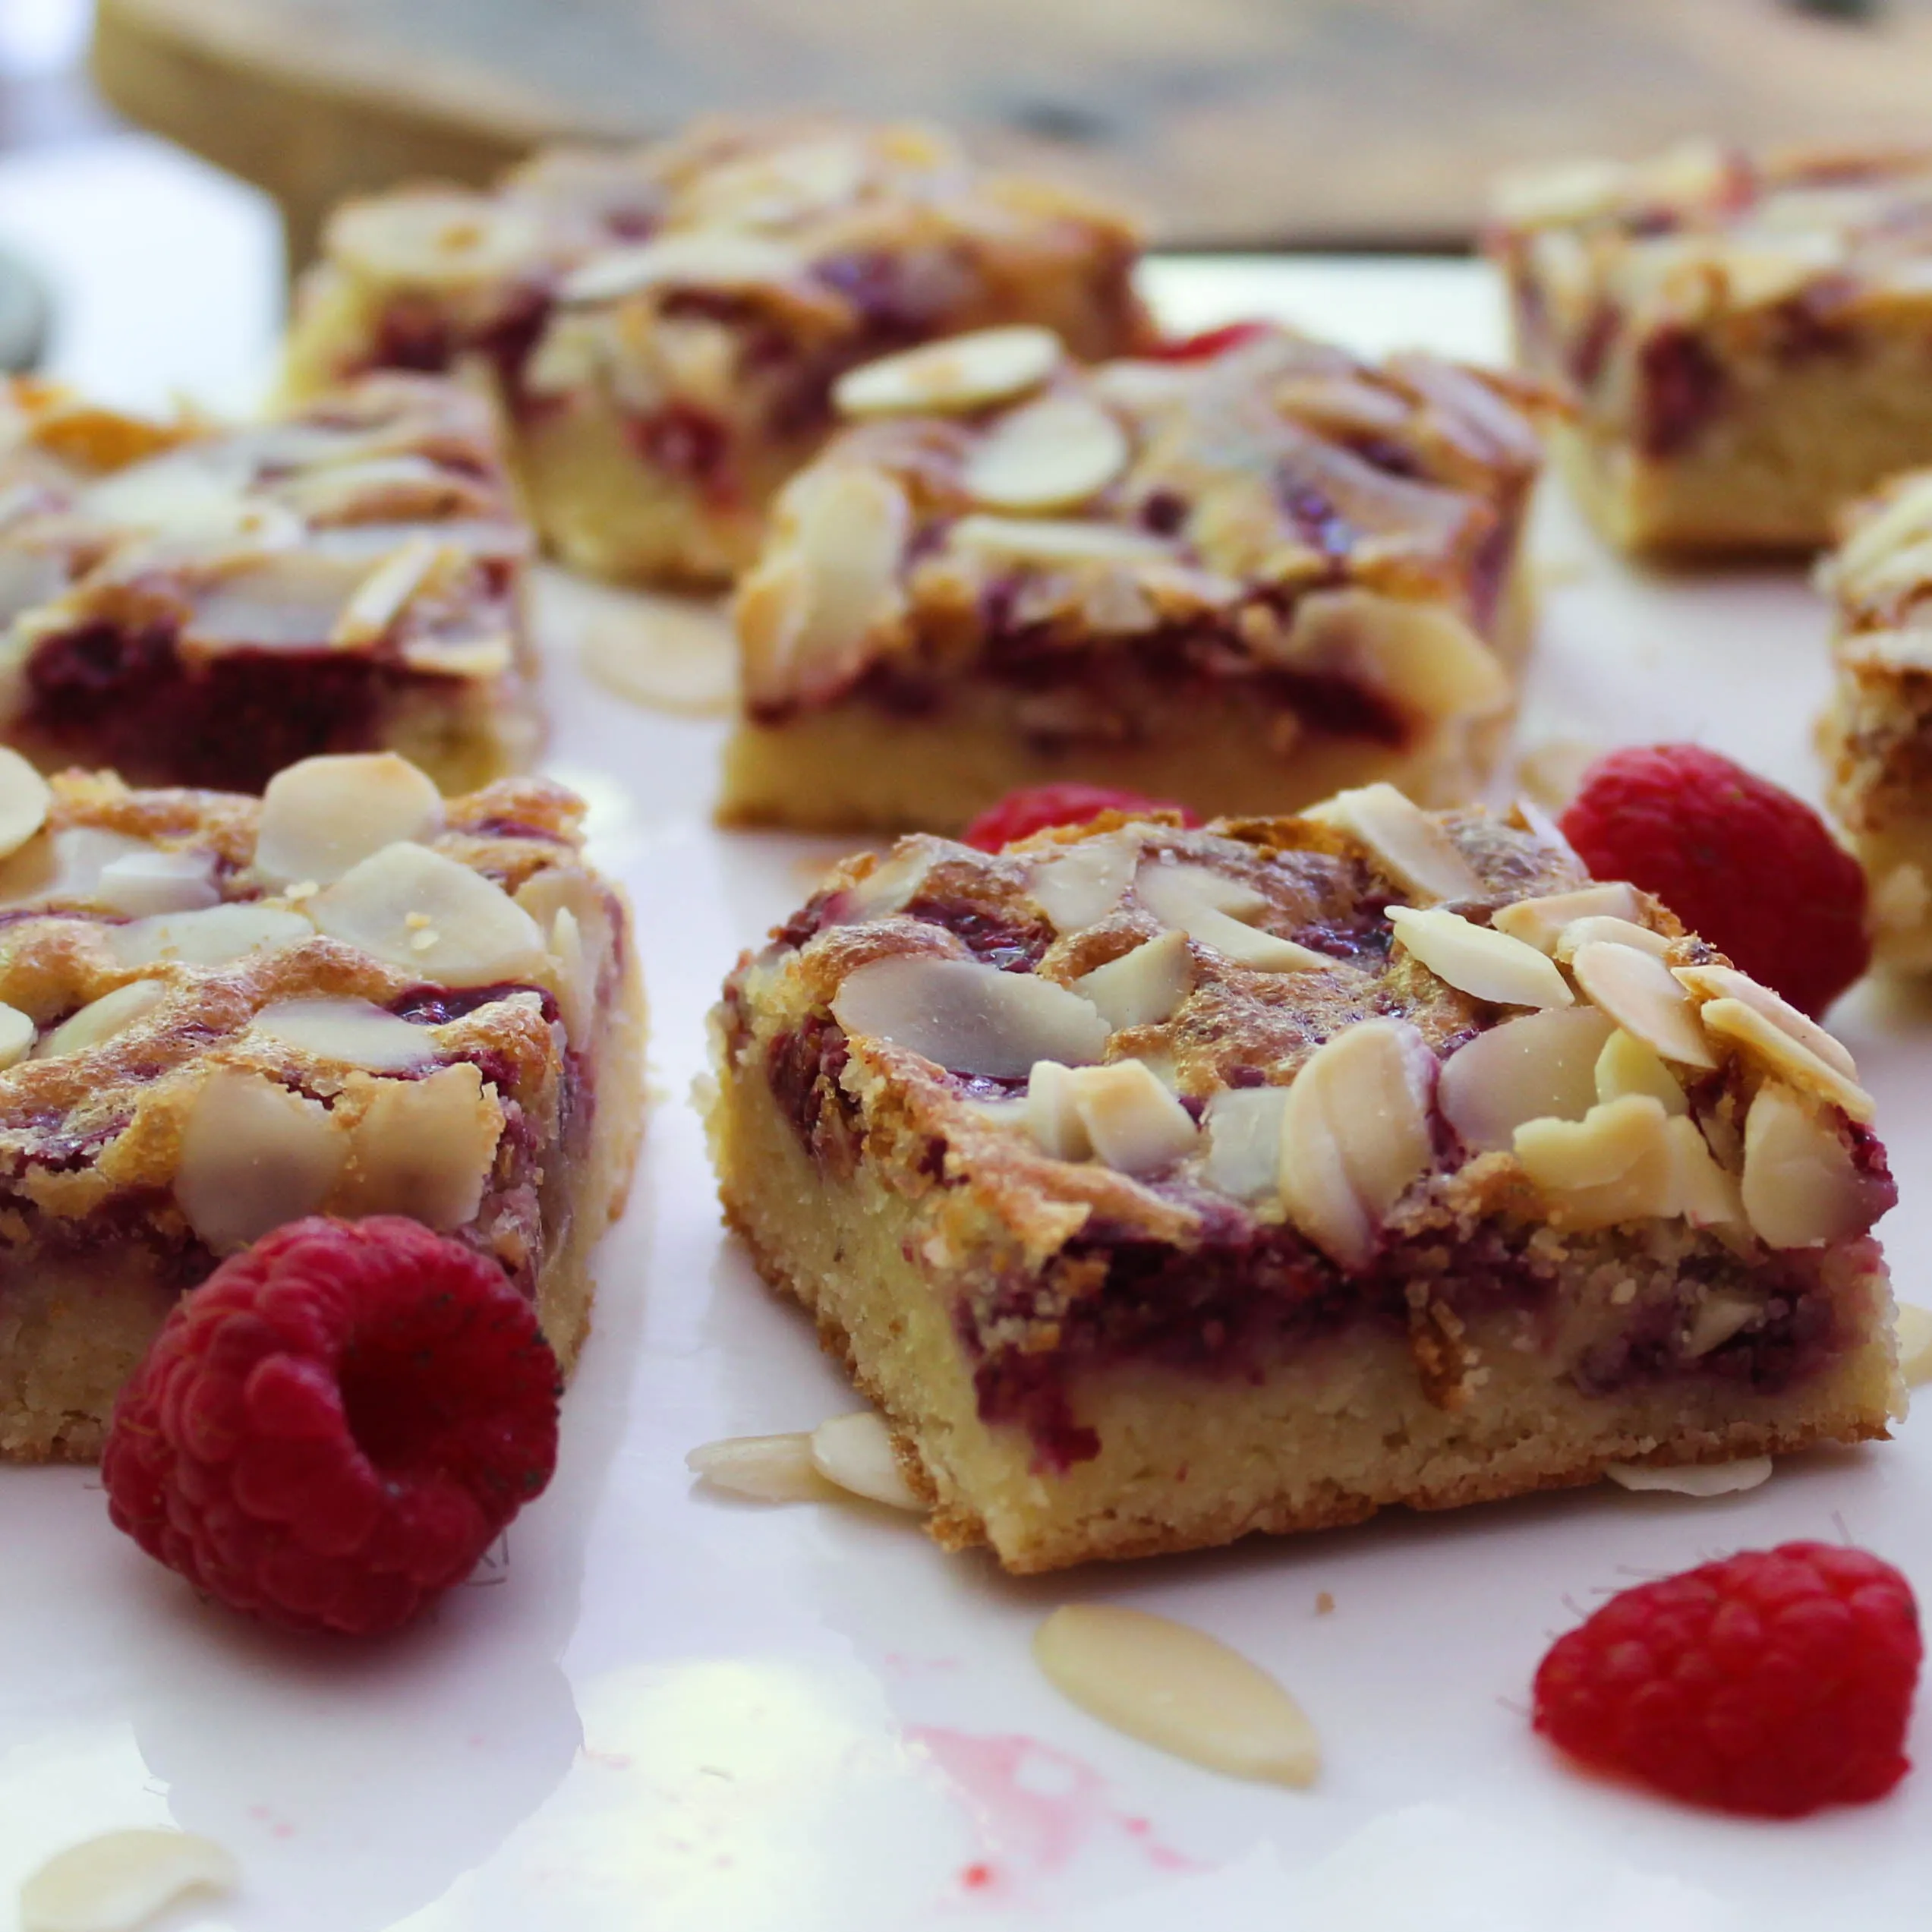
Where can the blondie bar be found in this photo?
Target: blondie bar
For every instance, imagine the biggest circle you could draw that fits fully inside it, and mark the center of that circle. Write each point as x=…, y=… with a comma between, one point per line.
x=1161, y=1185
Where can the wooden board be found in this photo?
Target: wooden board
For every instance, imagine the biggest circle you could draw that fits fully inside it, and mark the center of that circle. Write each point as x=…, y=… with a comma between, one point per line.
x=1234, y=123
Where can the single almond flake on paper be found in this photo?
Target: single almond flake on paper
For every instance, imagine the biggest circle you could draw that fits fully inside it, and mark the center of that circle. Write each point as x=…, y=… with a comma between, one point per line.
x=1178, y=1689
x=1701, y=1479
x=1915, y=1330
x=666, y=654
x=766, y=1468
x=855, y=1452
x=121, y=1879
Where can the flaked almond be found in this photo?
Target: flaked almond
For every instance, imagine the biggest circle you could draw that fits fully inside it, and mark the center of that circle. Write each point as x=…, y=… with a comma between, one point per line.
x=1605, y=929
x=1541, y=1066
x=1053, y=1113
x=100, y=1020
x=970, y=1018
x=1541, y=922
x=1212, y=909
x=573, y=910
x=351, y=1032
x=24, y=800
x=1721, y=982
x=254, y=1155
x=1355, y=1135
x=323, y=815
x=479, y=658
x=694, y=258
x=1801, y=1188
x=894, y=885
x=1410, y=847
x=1627, y=1066
x=1052, y=454
x=1485, y=964
x=1698, y=1188
x=855, y=1452
x=440, y=237
x=670, y=653
x=1180, y=1690
x=216, y=936
x=416, y=908
x=958, y=374
x=1720, y=1318
x=1422, y=657
x=1613, y=1165
x=1641, y=995
x=377, y=602
x=143, y=884
x=66, y=865
x=1133, y=1123
x=1052, y=542
x=1914, y=1327
x=1556, y=195
x=1079, y=885
x=1142, y=988
x=120, y=1880
x=424, y=1148
x=16, y=1033
x=1778, y=1054
x=765, y=1468
x=1244, y=1127
x=1697, y=1479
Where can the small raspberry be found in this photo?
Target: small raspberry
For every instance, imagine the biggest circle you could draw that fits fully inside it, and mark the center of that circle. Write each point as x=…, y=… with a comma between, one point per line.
x=1738, y=860
x=1209, y=343
x=1034, y=808
x=1775, y=1682
x=335, y=1425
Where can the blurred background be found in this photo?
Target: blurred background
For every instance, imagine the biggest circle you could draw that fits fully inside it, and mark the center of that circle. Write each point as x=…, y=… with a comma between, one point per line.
x=1236, y=124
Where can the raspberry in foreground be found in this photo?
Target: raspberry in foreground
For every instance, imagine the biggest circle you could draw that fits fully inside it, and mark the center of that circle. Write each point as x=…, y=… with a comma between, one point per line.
x=1035, y=807
x=1775, y=1682
x=1738, y=860
x=333, y=1428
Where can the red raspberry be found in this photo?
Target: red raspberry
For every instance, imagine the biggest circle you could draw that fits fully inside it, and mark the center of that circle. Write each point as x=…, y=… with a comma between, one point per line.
x=1738, y=858
x=1774, y=1682
x=1211, y=342
x=1034, y=808
x=335, y=1425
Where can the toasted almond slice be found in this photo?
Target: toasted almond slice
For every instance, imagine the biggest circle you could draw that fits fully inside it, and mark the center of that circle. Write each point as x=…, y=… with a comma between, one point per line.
x=1355, y=1133
x=1627, y=1066
x=1722, y=983
x=1613, y=1165
x=1210, y=908
x=1142, y=988
x=1179, y=1689
x=1700, y=1190
x=424, y=1148
x=101, y=1019
x=215, y=936
x=968, y=1017
x=1915, y=1332
x=1244, y=1127
x=323, y=815
x=1611, y=931
x=379, y=599
x=1801, y=1189
x=1541, y=922
x=855, y=1452
x=695, y=258
x=1539, y=1067
x=1640, y=993
x=958, y=373
x=119, y=1880
x=16, y=1033
x=1696, y=1478
x=1053, y=1113
x=65, y=864
x=254, y=1155
x=1785, y=1057
x=1410, y=846
x=1485, y=964
x=143, y=884
x=1133, y=1123
x=1077, y=886
x=24, y=800
x=766, y=1468
x=1720, y=1315
x=1049, y=455
x=352, y=1032
x=1557, y=195
x=1053, y=541
x=441, y=237
x=574, y=910
x=1421, y=656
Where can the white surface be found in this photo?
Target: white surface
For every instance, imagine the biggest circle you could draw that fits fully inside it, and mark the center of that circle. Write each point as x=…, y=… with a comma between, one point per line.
x=665, y=1710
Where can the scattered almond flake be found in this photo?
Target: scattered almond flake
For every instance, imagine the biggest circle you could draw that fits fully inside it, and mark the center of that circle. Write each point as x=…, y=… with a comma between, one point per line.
x=855, y=1452
x=24, y=798
x=668, y=653
x=1178, y=1689
x=1801, y=1186
x=121, y=1879
x=766, y=1468
x=1914, y=1329
x=1701, y=1479
x=959, y=372
x=323, y=815
x=16, y=1035
x=1325, y=1604
x=1551, y=773
x=1475, y=959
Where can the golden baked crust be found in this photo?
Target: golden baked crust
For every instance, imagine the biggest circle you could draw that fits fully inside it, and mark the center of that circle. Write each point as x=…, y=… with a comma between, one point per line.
x=193, y=603
x=1033, y=1232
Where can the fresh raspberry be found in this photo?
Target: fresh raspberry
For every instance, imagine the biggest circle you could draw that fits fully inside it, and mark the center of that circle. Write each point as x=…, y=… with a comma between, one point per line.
x=1211, y=342
x=1738, y=860
x=335, y=1425
x=1033, y=809
x=1774, y=1682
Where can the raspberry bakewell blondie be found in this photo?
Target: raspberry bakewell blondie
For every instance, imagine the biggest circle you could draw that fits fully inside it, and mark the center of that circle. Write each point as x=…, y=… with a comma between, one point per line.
x=1746, y=336
x=219, y=1013
x=664, y=324
x=200, y=606
x=1876, y=735
x=1243, y=576
x=1161, y=1185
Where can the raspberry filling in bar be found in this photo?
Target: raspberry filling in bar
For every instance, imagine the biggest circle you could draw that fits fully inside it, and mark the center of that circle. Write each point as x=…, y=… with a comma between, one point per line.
x=1746, y=334
x=1163, y=1185
x=219, y=1014
x=194, y=606
x=1242, y=576
x=665, y=324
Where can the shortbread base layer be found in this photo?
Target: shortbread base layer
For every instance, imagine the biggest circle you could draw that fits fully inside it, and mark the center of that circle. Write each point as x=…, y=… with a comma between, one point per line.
x=1341, y=1430
x=72, y=1331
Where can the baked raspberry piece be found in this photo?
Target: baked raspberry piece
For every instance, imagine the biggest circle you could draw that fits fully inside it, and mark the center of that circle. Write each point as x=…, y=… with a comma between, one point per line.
x=1163, y=1185
x=1774, y=1682
x=1019, y=814
x=1247, y=576
x=331, y=1430
x=1752, y=867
